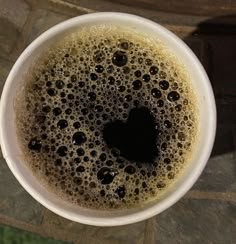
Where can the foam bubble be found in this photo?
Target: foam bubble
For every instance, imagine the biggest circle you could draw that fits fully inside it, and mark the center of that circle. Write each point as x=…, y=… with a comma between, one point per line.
x=86, y=80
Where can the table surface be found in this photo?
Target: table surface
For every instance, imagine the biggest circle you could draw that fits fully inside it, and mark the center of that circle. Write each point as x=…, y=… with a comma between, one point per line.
x=207, y=213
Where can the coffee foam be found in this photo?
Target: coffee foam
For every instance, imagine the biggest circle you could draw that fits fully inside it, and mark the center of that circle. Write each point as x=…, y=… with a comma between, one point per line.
x=76, y=87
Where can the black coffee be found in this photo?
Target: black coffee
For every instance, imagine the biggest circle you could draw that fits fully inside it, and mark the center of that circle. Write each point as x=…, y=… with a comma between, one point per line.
x=107, y=118
x=136, y=139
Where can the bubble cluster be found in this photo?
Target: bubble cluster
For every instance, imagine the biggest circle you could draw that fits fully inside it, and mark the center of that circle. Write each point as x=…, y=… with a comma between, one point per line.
x=95, y=80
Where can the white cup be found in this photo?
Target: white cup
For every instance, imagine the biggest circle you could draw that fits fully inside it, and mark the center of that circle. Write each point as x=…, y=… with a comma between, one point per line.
x=207, y=123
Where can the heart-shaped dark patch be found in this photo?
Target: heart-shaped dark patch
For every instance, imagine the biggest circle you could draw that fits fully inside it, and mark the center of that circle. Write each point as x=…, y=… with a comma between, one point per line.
x=136, y=138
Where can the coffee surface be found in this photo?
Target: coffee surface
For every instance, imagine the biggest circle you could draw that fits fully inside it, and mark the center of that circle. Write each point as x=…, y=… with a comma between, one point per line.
x=107, y=118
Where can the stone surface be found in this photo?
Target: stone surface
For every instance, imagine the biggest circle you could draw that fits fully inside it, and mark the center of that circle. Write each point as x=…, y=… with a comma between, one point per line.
x=133, y=7
x=54, y=225
x=12, y=21
x=197, y=221
x=42, y=21
x=132, y=234
x=15, y=236
x=219, y=174
x=204, y=7
x=15, y=202
x=4, y=71
x=8, y=36
x=17, y=15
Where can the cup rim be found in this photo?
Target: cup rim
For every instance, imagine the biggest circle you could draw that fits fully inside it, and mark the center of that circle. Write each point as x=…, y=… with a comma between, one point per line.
x=159, y=206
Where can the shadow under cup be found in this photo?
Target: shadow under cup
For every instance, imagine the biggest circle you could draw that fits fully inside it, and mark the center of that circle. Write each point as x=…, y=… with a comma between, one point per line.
x=207, y=123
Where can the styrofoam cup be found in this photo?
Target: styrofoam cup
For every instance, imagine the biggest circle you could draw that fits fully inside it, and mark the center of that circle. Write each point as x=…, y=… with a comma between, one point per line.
x=13, y=155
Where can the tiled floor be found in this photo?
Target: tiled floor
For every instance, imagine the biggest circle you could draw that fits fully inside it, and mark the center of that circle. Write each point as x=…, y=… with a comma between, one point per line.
x=9, y=235
x=207, y=214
